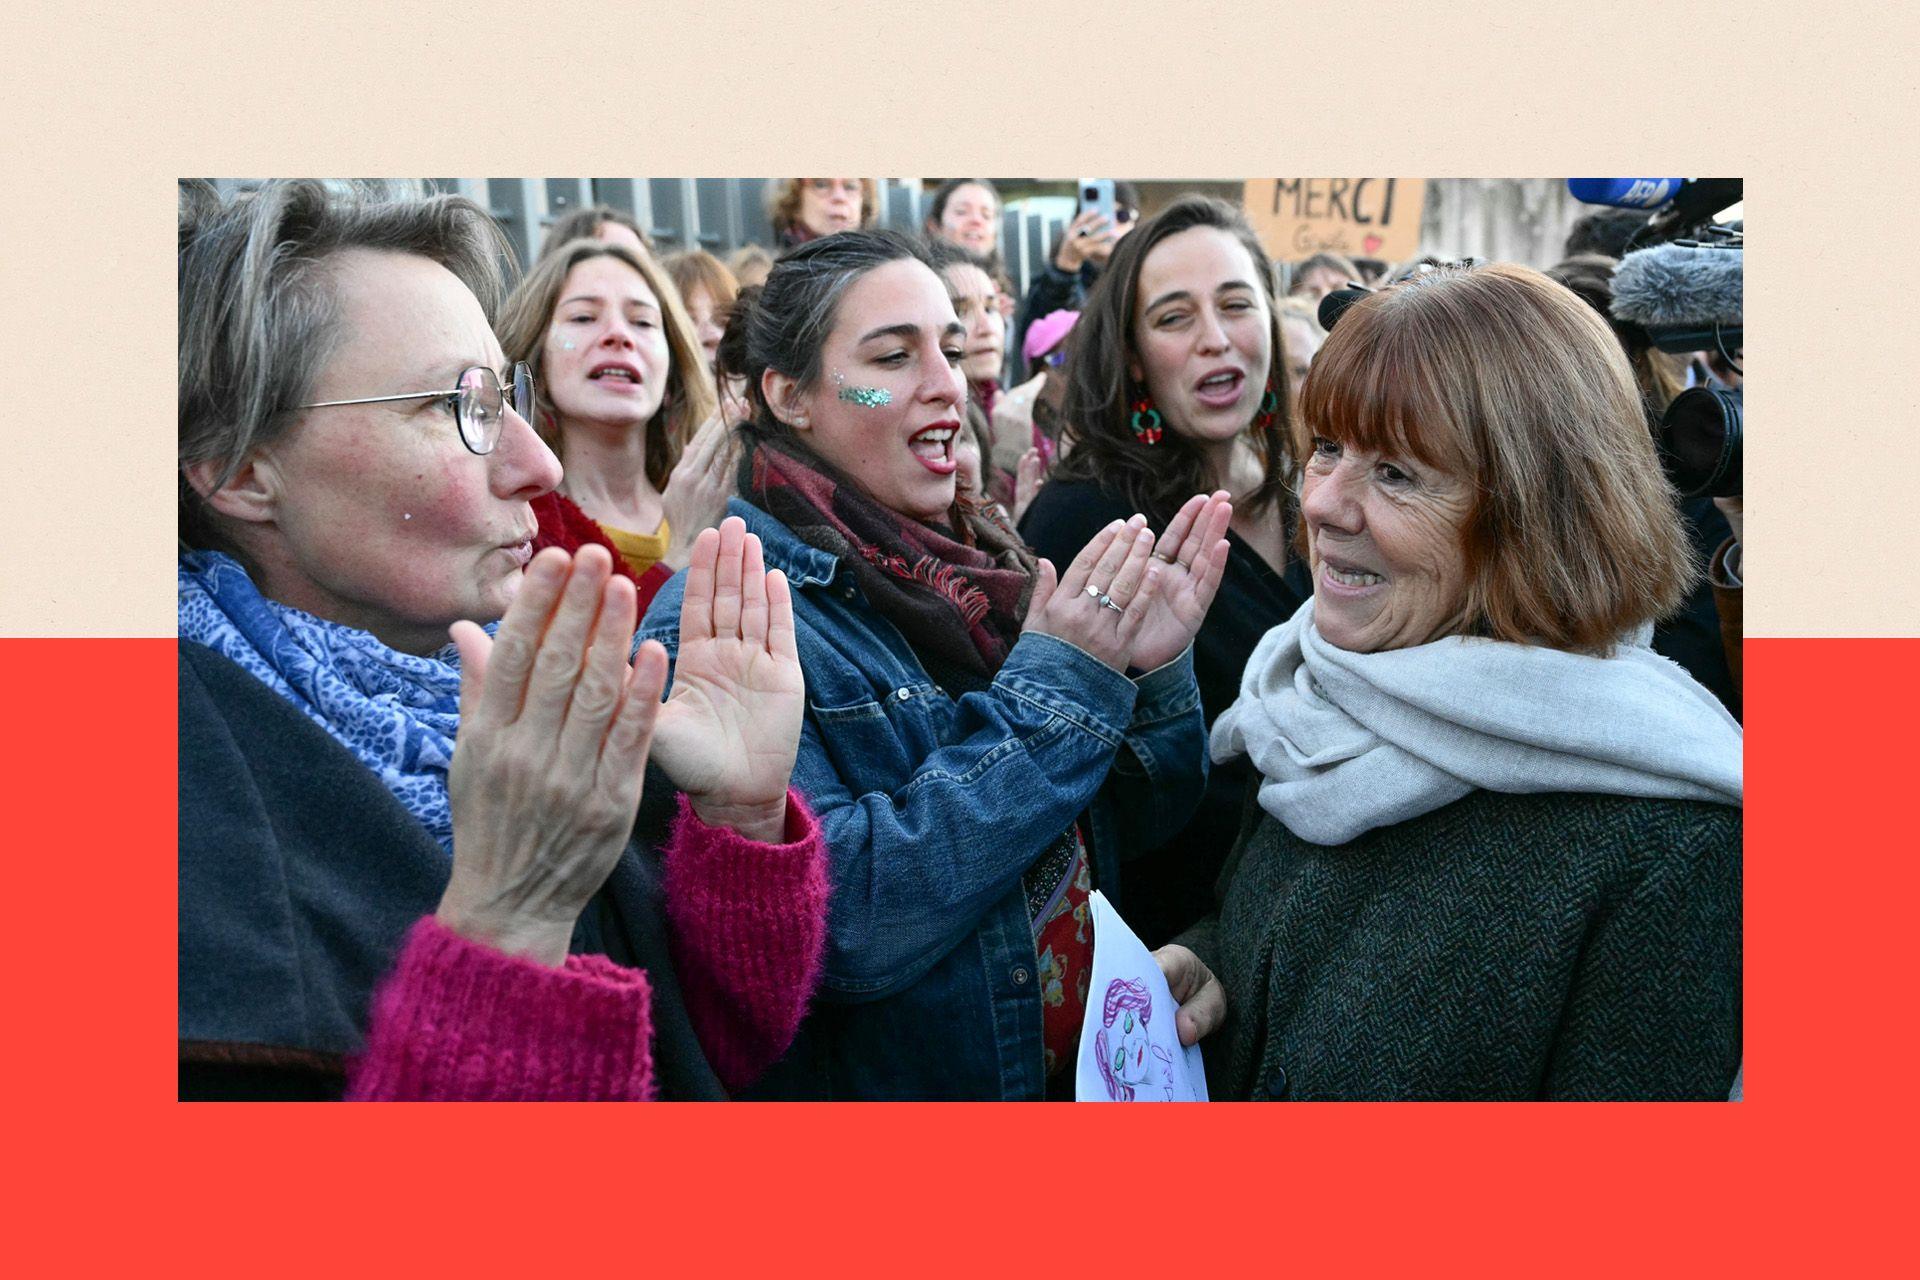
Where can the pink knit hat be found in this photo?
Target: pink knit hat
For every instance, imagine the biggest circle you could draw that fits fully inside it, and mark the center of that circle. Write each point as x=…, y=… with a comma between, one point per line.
x=1047, y=332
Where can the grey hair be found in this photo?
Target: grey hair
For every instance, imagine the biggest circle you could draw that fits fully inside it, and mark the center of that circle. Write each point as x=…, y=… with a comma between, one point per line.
x=258, y=316
x=791, y=319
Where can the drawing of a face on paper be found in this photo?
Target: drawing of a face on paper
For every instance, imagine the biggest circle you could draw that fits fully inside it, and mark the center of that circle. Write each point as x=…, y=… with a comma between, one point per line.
x=1129, y=1049
x=1129, y=1061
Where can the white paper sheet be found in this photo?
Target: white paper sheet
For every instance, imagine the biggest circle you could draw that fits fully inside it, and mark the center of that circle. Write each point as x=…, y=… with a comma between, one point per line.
x=1129, y=1048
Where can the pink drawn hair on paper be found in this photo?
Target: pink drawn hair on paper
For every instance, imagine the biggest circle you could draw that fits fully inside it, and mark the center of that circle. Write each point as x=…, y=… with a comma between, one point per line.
x=1131, y=1060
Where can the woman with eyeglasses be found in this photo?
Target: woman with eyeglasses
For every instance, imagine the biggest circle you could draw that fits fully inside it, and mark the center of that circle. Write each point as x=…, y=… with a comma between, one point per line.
x=804, y=209
x=626, y=399
x=405, y=865
x=1179, y=382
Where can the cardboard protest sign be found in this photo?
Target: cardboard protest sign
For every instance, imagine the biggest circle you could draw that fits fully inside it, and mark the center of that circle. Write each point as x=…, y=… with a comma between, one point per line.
x=1129, y=1049
x=1359, y=217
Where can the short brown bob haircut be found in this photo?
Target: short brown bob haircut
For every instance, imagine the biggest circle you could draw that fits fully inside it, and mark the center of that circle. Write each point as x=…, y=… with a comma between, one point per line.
x=690, y=397
x=1497, y=374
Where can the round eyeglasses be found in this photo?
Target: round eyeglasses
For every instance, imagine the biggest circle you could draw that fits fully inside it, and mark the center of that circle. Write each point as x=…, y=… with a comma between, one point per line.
x=479, y=403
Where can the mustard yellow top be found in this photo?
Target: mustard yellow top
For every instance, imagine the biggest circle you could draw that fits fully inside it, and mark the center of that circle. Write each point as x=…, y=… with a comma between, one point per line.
x=641, y=551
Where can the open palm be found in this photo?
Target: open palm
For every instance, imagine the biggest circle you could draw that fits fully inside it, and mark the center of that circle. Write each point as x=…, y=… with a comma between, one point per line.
x=730, y=728
x=1193, y=557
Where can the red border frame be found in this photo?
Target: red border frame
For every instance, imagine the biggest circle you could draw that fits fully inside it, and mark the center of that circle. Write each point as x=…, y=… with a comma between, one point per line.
x=116, y=1175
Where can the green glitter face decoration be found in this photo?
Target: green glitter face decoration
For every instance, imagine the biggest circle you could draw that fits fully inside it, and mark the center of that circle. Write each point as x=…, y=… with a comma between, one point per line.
x=867, y=397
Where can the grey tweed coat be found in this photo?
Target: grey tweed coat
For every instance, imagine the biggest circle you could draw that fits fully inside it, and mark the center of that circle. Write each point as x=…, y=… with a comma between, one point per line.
x=1501, y=947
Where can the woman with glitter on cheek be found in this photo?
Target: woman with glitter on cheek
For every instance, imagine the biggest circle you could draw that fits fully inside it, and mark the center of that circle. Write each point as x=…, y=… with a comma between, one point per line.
x=976, y=720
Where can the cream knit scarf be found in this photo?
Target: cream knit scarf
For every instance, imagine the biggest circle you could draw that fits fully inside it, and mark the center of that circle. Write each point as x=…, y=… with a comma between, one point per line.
x=1346, y=742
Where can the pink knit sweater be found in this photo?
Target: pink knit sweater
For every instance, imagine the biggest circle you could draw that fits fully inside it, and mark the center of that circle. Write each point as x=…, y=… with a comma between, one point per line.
x=457, y=1020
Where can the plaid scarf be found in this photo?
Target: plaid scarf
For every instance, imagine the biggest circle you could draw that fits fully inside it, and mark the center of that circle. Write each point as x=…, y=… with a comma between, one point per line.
x=960, y=597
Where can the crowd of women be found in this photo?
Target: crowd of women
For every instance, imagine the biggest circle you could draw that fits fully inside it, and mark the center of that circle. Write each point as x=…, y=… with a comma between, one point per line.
x=687, y=680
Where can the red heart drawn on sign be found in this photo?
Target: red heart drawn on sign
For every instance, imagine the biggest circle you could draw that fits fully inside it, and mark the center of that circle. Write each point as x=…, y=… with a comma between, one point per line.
x=1372, y=244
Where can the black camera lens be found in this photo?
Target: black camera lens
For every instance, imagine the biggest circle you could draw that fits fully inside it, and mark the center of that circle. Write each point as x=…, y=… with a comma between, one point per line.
x=1699, y=440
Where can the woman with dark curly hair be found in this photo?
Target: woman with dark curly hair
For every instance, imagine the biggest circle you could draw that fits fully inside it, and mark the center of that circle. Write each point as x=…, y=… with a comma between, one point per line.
x=1179, y=384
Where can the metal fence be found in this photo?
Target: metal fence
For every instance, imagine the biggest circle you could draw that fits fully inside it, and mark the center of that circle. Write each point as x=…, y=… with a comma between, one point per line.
x=715, y=214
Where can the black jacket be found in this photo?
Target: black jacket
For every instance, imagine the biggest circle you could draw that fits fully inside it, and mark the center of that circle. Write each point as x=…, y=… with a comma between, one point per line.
x=1691, y=637
x=300, y=875
x=1501, y=947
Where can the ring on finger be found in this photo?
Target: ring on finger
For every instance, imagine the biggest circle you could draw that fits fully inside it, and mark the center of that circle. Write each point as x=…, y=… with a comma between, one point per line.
x=1096, y=592
x=1166, y=559
x=1107, y=603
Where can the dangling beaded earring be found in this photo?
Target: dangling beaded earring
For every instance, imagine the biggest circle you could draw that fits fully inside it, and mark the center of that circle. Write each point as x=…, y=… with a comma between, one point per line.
x=1269, y=405
x=1145, y=421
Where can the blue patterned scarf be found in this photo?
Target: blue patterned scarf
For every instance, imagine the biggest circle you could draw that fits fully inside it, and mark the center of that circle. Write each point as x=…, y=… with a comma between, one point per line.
x=396, y=712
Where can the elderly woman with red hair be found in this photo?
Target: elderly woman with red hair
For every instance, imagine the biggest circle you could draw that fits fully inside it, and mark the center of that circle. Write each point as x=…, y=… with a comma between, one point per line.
x=1493, y=850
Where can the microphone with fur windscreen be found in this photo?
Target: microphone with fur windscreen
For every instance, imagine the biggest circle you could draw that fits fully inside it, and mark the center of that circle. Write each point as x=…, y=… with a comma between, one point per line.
x=1686, y=295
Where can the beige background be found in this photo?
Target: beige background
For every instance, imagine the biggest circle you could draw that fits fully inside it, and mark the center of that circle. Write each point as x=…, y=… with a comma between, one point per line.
x=103, y=106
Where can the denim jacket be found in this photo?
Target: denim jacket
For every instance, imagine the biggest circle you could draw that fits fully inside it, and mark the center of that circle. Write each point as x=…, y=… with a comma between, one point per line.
x=932, y=808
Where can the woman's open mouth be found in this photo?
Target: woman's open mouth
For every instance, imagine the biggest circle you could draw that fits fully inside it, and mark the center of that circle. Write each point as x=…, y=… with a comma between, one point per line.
x=616, y=377
x=933, y=446
x=1220, y=390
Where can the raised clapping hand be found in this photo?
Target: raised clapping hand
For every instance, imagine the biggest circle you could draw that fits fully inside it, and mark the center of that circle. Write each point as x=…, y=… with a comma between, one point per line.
x=730, y=729
x=1105, y=595
x=1191, y=557
x=555, y=726
x=1027, y=482
x=1131, y=601
x=698, y=487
